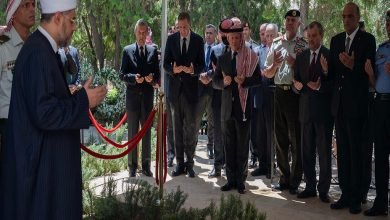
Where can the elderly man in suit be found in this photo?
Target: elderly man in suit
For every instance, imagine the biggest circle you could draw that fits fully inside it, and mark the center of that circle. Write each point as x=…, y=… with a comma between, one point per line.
x=314, y=86
x=140, y=71
x=235, y=72
x=348, y=52
x=184, y=61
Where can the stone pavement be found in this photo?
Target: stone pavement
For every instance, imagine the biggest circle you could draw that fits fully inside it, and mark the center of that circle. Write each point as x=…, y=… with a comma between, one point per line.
x=278, y=205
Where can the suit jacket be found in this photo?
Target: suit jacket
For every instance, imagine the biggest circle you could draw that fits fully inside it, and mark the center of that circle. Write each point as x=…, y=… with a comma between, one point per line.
x=183, y=82
x=350, y=93
x=314, y=105
x=132, y=64
x=224, y=65
x=41, y=162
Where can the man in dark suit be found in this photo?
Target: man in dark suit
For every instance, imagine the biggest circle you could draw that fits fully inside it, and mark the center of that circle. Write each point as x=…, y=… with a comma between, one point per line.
x=184, y=61
x=348, y=52
x=140, y=71
x=236, y=71
x=314, y=86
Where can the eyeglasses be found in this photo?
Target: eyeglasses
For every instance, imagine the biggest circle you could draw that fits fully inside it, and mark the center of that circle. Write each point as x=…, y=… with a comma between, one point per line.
x=72, y=21
x=28, y=4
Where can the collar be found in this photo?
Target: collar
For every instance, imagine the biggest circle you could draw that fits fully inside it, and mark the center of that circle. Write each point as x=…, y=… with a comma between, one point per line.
x=316, y=51
x=14, y=37
x=139, y=46
x=351, y=36
x=187, y=37
x=49, y=38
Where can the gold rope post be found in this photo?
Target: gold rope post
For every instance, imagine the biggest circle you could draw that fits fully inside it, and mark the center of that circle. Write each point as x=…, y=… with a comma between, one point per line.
x=160, y=133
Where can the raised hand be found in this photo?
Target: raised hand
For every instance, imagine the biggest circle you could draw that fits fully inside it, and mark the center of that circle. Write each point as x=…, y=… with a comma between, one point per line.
x=290, y=60
x=298, y=85
x=149, y=78
x=177, y=69
x=95, y=95
x=368, y=68
x=204, y=78
x=347, y=60
x=239, y=79
x=324, y=63
x=278, y=58
x=139, y=79
x=387, y=68
x=314, y=85
x=227, y=80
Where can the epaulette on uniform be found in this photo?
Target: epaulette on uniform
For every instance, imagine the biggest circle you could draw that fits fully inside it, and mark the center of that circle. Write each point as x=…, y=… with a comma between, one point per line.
x=384, y=43
x=3, y=39
x=278, y=38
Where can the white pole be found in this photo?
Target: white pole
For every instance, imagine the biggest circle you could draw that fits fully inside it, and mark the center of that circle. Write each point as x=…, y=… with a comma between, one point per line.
x=164, y=29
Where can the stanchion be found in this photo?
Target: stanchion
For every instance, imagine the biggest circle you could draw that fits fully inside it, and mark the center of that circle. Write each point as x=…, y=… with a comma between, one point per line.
x=160, y=133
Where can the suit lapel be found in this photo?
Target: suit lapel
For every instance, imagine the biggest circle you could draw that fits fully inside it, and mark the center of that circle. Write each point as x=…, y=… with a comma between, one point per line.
x=355, y=42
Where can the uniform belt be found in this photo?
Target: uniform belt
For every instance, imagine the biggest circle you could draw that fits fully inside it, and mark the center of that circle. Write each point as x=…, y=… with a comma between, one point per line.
x=382, y=96
x=284, y=87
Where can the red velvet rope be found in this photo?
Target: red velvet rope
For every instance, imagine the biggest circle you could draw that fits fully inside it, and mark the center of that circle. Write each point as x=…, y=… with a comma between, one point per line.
x=131, y=144
x=97, y=125
x=164, y=152
x=139, y=135
x=157, y=155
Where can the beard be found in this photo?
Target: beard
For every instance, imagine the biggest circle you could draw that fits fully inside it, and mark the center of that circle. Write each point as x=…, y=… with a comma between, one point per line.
x=63, y=39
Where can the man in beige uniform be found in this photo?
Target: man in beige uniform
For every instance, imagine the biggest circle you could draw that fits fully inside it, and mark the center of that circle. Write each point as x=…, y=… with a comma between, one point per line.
x=20, y=18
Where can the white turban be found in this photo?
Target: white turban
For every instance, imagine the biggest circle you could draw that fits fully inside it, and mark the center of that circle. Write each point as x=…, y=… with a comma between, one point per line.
x=12, y=6
x=53, y=6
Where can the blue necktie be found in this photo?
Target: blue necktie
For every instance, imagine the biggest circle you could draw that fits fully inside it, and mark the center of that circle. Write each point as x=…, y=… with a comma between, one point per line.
x=207, y=58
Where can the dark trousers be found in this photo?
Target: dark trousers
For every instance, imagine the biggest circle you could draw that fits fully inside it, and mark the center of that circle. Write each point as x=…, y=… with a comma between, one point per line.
x=3, y=126
x=262, y=128
x=170, y=139
x=219, y=151
x=350, y=144
x=367, y=150
x=317, y=136
x=184, y=129
x=135, y=119
x=382, y=150
x=205, y=106
x=287, y=133
x=236, y=138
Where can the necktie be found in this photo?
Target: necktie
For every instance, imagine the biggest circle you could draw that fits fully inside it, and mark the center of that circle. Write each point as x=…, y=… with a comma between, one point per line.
x=184, y=47
x=312, y=67
x=347, y=44
x=142, y=52
x=207, y=58
x=234, y=70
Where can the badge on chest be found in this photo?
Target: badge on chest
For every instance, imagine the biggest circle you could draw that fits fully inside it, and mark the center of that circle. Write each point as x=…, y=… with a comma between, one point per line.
x=11, y=65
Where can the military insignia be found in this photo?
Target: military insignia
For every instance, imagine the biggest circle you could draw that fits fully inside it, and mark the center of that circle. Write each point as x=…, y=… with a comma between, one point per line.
x=11, y=65
x=3, y=39
x=294, y=13
x=300, y=45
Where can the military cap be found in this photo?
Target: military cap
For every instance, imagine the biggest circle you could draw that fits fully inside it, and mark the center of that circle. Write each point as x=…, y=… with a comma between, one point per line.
x=293, y=13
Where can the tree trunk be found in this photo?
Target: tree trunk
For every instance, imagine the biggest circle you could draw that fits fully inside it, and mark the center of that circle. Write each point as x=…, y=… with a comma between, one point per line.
x=94, y=61
x=117, y=52
x=304, y=9
x=96, y=36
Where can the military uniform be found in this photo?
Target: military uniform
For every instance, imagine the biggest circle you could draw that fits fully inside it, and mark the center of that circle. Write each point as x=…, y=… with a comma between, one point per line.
x=287, y=129
x=10, y=45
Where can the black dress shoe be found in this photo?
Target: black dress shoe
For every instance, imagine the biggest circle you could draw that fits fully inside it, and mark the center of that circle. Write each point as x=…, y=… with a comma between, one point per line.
x=170, y=162
x=293, y=191
x=374, y=212
x=259, y=172
x=306, y=194
x=252, y=164
x=281, y=187
x=147, y=172
x=355, y=209
x=215, y=172
x=241, y=188
x=324, y=198
x=132, y=172
x=226, y=187
x=340, y=204
x=179, y=170
x=190, y=172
